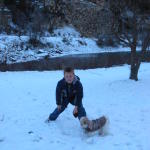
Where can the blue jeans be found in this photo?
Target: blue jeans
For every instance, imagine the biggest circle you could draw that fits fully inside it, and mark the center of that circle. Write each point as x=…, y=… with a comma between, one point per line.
x=54, y=115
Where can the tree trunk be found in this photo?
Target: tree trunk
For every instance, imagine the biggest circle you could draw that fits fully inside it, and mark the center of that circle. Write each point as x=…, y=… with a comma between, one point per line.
x=135, y=64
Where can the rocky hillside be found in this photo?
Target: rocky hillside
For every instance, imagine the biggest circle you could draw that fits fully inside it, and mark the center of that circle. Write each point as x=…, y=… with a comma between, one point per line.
x=90, y=17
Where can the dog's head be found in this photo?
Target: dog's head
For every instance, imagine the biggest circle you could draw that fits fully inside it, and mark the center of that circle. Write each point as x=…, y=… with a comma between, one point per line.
x=84, y=122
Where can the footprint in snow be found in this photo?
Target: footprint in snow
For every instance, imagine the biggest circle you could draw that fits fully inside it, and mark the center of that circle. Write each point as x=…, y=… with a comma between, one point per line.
x=2, y=140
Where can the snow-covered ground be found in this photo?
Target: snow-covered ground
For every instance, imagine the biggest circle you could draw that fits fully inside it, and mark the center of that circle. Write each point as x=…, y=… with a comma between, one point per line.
x=63, y=41
x=27, y=98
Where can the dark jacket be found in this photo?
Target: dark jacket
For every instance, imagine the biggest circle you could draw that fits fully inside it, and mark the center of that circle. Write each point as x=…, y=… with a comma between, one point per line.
x=72, y=93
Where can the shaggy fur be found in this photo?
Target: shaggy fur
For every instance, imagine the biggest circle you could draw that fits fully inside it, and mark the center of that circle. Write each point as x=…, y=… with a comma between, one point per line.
x=93, y=125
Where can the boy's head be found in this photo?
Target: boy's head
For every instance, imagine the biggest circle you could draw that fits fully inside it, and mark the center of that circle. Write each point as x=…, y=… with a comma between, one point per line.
x=69, y=74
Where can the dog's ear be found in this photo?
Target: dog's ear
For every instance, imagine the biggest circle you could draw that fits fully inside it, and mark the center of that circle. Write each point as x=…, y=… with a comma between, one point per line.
x=90, y=125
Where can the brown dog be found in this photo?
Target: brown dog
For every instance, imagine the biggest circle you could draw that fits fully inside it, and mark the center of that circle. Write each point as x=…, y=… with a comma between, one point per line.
x=93, y=125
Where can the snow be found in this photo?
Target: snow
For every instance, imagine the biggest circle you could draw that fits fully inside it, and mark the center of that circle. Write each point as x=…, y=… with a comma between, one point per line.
x=63, y=41
x=27, y=98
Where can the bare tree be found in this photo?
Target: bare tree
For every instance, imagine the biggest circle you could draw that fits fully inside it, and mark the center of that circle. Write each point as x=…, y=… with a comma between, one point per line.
x=5, y=17
x=132, y=27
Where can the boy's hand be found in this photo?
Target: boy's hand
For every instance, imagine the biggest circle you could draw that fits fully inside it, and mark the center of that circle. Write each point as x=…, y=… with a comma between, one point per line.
x=75, y=111
x=59, y=107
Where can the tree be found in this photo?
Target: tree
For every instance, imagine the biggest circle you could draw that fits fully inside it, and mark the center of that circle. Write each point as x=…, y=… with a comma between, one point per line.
x=132, y=28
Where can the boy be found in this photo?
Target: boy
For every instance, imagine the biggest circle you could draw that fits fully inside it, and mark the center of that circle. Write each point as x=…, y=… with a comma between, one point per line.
x=69, y=90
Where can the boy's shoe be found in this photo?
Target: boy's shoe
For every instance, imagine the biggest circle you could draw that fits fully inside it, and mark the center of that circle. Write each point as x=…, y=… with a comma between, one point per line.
x=48, y=120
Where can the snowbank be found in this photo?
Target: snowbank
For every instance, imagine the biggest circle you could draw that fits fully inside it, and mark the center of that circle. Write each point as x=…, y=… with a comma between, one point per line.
x=63, y=41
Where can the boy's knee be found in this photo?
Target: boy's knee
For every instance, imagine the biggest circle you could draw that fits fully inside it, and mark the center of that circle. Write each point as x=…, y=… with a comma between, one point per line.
x=54, y=115
x=81, y=109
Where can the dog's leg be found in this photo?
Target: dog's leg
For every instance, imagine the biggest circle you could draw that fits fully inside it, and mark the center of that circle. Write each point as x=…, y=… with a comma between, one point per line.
x=105, y=129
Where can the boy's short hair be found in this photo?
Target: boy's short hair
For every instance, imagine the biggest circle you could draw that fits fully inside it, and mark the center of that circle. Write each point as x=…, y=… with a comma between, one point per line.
x=68, y=69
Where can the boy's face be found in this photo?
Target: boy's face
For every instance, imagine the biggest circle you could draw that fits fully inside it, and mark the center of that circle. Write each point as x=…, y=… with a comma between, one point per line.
x=69, y=77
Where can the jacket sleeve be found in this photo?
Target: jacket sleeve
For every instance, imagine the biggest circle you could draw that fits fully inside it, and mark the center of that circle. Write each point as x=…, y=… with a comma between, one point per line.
x=58, y=93
x=79, y=95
